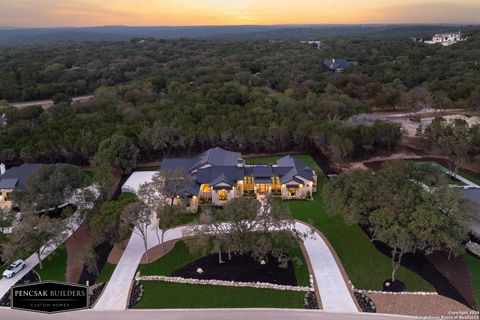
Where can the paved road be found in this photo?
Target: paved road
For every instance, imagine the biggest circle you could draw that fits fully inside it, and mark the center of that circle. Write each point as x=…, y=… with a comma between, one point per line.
x=199, y=314
x=47, y=103
x=334, y=291
x=32, y=261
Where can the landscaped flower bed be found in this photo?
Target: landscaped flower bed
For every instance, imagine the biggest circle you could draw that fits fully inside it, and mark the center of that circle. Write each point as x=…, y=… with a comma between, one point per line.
x=310, y=300
x=365, y=302
x=136, y=294
x=95, y=294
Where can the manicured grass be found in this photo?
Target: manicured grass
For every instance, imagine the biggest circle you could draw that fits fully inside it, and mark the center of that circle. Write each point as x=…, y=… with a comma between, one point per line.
x=188, y=218
x=262, y=160
x=366, y=267
x=54, y=265
x=106, y=272
x=159, y=294
x=301, y=269
x=175, y=259
x=474, y=266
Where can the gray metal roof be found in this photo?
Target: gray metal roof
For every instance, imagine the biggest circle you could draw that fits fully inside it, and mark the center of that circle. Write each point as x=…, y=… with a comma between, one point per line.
x=334, y=64
x=262, y=171
x=20, y=173
x=210, y=174
x=298, y=168
x=474, y=196
x=216, y=157
x=224, y=168
x=8, y=183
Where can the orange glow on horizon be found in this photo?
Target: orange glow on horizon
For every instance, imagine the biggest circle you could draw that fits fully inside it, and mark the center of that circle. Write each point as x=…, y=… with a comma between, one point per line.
x=232, y=12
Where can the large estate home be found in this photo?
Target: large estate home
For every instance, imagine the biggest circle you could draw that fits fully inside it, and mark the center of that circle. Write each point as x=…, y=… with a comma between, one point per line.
x=446, y=39
x=14, y=179
x=219, y=175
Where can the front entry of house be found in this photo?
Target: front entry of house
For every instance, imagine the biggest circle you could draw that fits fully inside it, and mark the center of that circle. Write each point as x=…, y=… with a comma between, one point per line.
x=262, y=188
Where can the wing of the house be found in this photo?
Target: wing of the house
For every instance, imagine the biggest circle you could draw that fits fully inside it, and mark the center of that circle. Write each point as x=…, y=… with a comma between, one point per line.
x=15, y=179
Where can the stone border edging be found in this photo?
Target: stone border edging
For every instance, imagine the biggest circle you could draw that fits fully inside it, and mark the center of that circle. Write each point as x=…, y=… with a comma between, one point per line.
x=258, y=285
x=413, y=293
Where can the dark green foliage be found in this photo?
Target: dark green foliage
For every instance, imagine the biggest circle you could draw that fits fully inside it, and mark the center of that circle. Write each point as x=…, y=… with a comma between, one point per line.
x=106, y=225
x=252, y=96
x=400, y=211
x=50, y=187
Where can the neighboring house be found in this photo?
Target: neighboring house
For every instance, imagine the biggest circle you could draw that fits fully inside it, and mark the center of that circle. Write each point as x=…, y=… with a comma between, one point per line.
x=315, y=43
x=14, y=179
x=474, y=196
x=219, y=175
x=339, y=65
x=446, y=39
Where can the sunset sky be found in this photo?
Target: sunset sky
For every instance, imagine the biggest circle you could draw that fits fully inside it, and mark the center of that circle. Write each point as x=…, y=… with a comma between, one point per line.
x=55, y=13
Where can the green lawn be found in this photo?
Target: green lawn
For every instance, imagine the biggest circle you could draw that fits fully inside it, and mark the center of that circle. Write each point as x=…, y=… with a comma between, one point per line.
x=188, y=218
x=474, y=266
x=366, y=267
x=54, y=265
x=175, y=259
x=106, y=272
x=159, y=294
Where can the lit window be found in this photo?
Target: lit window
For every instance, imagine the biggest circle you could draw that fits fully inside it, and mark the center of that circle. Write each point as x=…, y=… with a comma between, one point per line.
x=222, y=195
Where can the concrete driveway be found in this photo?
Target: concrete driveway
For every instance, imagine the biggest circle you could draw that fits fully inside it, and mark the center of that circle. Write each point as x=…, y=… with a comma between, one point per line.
x=32, y=261
x=335, y=293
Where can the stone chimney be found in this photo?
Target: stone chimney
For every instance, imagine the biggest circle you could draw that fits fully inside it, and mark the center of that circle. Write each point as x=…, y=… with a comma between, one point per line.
x=2, y=168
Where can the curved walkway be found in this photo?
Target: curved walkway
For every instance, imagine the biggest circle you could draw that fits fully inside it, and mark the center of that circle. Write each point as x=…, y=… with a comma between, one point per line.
x=334, y=291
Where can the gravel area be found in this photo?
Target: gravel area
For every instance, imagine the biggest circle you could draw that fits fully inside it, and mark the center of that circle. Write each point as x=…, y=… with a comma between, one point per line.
x=117, y=251
x=77, y=245
x=417, y=305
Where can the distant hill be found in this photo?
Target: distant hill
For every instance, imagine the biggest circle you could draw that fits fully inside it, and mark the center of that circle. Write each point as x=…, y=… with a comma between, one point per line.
x=10, y=36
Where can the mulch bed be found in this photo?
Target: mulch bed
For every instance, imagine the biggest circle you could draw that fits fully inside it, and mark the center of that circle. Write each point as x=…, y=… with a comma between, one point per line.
x=393, y=286
x=242, y=268
x=77, y=244
x=457, y=272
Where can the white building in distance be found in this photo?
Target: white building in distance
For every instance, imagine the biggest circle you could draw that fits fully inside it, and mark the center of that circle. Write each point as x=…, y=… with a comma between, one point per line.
x=446, y=39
